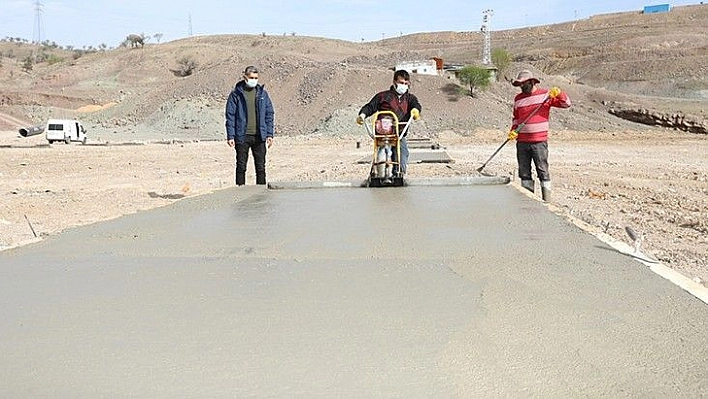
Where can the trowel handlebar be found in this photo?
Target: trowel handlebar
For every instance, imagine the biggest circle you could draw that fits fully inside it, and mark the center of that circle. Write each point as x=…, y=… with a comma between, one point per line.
x=370, y=124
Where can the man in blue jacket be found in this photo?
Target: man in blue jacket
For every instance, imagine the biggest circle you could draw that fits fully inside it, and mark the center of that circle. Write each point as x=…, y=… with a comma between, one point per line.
x=249, y=125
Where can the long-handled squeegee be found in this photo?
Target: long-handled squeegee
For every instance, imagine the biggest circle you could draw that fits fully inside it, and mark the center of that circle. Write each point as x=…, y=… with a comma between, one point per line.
x=517, y=130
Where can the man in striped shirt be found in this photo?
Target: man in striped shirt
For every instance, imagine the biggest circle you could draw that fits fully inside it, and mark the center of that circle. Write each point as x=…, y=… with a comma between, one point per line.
x=532, y=108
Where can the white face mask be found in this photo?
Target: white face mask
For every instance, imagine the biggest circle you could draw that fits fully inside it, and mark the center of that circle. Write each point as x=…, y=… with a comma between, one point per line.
x=401, y=88
x=251, y=82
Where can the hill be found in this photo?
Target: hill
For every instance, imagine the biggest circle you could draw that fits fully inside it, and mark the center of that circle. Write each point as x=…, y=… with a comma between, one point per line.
x=628, y=60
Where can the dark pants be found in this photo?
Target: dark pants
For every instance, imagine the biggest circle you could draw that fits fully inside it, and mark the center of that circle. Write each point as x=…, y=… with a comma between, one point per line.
x=258, y=149
x=536, y=152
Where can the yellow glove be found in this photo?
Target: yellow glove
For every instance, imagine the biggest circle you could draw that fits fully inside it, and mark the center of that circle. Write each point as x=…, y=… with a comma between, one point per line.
x=415, y=114
x=512, y=135
x=554, y=92
x=360, y=119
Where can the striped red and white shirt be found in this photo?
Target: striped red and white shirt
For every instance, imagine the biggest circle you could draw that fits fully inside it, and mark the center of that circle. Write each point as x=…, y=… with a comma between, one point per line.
x=536, y=128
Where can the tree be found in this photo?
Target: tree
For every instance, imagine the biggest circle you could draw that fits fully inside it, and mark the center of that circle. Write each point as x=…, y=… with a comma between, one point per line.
x=475, y=77
x=501, y=59
x=158, y=37
x=134, y=40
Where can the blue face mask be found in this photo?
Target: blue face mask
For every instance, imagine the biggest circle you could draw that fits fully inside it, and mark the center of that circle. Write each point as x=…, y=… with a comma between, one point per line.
x=251, y=83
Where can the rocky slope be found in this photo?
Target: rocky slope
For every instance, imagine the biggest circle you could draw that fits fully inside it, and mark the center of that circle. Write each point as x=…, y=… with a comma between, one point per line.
x=318, y=84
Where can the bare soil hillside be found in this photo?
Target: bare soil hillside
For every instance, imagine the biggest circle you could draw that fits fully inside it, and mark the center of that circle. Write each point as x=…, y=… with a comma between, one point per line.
x=663, y=54
x=620, y=60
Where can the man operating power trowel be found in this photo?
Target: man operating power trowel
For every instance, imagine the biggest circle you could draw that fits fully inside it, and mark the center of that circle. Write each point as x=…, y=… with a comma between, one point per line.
x=529, y=128
x=400, y=101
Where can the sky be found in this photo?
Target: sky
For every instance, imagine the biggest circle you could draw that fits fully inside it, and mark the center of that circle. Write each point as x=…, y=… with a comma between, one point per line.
x=83, y=23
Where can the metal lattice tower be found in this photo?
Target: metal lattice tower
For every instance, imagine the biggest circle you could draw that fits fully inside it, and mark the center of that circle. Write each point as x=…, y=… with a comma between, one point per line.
x=487, y=32
x=37, y=34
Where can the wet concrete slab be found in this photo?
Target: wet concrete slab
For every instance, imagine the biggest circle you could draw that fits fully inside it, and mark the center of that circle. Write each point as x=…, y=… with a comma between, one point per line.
x=414, y=291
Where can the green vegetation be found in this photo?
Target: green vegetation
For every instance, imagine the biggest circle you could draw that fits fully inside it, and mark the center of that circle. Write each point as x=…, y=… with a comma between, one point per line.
x=54, y=59
x=475, y=77
x=501, y=60
x=27, y=64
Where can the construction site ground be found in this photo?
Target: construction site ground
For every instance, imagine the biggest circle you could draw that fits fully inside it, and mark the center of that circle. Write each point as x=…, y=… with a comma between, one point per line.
x=656, y=182
x=413, y=291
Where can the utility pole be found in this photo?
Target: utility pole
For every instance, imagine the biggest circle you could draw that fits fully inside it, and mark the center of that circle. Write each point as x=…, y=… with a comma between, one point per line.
x=487, y=32
x=38, y=10
x=190, y=24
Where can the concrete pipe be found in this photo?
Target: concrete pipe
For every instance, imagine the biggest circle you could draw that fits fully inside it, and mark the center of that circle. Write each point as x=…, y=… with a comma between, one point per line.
x=31, y=131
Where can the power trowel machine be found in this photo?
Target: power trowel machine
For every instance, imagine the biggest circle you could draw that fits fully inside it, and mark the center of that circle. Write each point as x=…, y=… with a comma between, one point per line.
x=384, y=128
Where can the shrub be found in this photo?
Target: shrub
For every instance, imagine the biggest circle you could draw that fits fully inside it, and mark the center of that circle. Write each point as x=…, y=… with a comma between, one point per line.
x=501, y=60
x=475, y=77
x=187, y=65
x=54, y=59
x=27, y=64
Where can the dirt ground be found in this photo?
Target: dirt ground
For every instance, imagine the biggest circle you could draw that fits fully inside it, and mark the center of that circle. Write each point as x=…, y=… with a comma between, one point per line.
x=656, y=183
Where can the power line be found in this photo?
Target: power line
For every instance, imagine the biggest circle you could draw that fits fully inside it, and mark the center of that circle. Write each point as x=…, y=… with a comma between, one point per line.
x=38, y=23
x=487, y=50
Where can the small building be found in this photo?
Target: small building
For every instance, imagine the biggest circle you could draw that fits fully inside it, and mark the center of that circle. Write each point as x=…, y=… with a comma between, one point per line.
x=421, y=67
x=657, y=9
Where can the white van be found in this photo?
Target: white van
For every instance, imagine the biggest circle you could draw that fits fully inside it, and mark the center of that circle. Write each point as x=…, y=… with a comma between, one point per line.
x=66, y=130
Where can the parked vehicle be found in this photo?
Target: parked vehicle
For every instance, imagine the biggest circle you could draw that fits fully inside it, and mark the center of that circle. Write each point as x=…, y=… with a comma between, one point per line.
x=66, y=130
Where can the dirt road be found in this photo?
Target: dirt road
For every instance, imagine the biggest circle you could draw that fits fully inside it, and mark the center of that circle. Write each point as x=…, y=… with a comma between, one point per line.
x=8, y=120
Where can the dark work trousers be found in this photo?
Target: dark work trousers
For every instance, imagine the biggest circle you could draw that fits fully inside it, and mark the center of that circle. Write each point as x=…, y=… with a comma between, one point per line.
x=258, y=149
x=538, y=152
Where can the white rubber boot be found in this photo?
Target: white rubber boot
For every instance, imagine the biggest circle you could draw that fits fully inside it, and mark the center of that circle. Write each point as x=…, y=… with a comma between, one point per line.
x=527, y=184
x=546, y=191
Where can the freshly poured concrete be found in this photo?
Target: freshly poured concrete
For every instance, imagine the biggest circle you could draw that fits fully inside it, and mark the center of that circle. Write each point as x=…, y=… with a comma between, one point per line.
x=406, y=292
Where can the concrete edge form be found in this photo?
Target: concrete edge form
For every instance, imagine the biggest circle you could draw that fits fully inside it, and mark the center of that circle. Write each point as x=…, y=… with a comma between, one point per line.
x=449, y=181
x=697, y=290
x=458, y=181
x=283, y=185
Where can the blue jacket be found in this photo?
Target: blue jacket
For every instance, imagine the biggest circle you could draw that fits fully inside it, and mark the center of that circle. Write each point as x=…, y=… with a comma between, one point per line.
x=236, y=114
